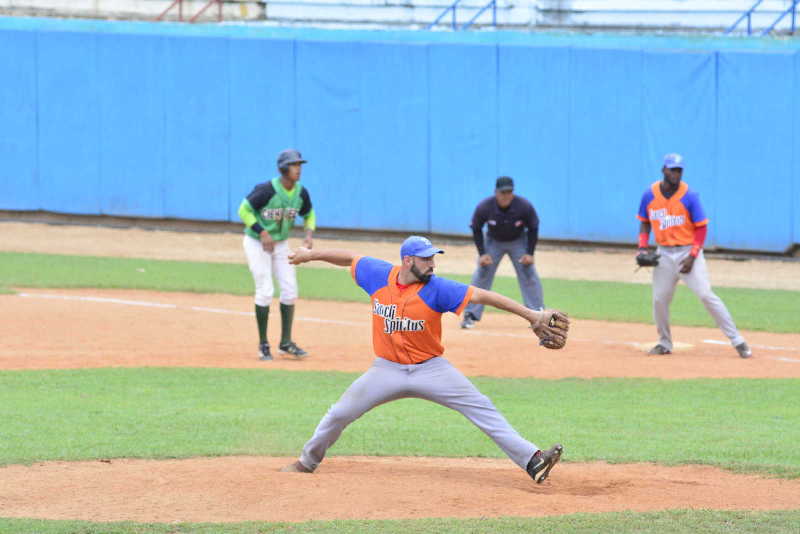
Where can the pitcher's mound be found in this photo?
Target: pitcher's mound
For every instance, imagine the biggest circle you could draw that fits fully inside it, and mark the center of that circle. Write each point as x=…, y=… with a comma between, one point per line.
x=242, y=488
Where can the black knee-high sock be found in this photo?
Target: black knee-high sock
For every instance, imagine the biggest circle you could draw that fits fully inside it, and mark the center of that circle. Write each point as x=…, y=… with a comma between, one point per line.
x=262, y=317
x=287, y=317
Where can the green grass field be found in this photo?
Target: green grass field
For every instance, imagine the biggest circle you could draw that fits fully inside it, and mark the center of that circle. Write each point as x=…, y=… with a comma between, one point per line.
x=741, y=425
x=670, y=522
x=173, y=413
x=753, y=309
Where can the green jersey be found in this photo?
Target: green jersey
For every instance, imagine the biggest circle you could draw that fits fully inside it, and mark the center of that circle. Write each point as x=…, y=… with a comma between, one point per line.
x=270, y=207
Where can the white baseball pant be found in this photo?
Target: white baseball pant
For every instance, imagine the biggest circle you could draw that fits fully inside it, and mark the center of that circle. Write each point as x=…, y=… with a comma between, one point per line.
x=263, y=265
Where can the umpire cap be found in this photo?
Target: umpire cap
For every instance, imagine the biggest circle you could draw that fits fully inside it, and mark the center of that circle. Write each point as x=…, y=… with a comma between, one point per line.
x=289, y=156
x=504, y=183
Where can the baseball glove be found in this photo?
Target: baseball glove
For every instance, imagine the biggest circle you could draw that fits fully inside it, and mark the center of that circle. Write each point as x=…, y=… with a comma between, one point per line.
x=552, y=329
x=647, y=258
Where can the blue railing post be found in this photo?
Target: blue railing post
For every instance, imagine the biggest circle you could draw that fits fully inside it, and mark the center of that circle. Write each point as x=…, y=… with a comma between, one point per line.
x=453, y=21
x=746, y=15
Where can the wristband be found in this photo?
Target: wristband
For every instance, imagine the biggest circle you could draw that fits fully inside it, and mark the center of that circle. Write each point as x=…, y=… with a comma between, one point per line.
x=643, y=239
x=695, y=251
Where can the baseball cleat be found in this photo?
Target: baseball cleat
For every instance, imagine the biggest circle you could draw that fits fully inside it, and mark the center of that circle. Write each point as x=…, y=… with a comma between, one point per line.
x=744, y=350
x=292, y=349
x=659, y=350
x=295, y=467
x=468, y=322
x=263, y=352
x=543, y=461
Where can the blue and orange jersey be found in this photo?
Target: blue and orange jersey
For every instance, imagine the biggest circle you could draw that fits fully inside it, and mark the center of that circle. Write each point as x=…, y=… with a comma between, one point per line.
x=673, y=219
x=407, y=322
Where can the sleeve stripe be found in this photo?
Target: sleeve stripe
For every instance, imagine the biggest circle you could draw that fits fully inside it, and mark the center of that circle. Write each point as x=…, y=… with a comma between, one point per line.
x=353, y=267
x=467, y=298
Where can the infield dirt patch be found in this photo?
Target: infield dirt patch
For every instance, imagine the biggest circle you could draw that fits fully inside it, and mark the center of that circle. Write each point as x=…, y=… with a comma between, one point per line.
x=252, y=489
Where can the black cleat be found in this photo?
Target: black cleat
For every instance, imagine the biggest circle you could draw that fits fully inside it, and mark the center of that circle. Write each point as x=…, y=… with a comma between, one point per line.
x=659, y=350
x=744, y=350
x=468, y=322
x=263, y=352
x=292, y=349
x=543, y=461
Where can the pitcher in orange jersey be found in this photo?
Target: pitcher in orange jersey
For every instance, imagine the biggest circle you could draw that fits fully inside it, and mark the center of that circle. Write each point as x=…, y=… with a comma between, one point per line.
x=407, y=306
x=674, y=213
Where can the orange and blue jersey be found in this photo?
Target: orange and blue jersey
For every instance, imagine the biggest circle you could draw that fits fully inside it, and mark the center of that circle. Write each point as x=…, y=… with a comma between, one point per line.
x=407, y=322
x=673, y=219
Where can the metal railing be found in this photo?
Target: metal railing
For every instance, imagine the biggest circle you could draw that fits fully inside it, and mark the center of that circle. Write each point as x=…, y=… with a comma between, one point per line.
x=179, y=3
x=749, y=16
x=454, y=22
x=793, y=9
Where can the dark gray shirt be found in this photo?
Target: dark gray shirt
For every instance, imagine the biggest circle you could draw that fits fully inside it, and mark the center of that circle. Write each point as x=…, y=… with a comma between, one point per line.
x=505, y=224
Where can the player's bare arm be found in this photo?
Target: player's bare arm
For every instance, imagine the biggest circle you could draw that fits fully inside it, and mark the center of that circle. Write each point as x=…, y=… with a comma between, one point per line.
x=267, y=243
x=501, y=302
x=339, y=257
x=308, y=242
x=551, y=326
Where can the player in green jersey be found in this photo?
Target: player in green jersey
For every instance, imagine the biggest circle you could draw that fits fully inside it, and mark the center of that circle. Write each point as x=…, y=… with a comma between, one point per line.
x=268, y=214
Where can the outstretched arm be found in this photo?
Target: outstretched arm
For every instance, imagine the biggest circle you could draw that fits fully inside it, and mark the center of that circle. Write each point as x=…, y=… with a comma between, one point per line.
x=551, y=326
x=334, y=256
x=490, y=298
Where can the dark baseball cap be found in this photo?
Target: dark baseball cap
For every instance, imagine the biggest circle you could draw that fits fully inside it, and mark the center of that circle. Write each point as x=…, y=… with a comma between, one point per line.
x=289, y=156
x=418, y=246
x=504, y=183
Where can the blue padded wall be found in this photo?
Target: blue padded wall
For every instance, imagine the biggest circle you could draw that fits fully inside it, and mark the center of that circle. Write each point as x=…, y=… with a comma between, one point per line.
x=197, y=136
x=463, y=132
x=754, y=166
x=403, y=131
x=131, y=108
x=534, y=131
x=18, y=134
x=680, y=115
x=68, y=122
x=262, y=110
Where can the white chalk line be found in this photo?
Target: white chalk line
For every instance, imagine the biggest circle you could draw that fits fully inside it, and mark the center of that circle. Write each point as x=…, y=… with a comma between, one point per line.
x=149, y=304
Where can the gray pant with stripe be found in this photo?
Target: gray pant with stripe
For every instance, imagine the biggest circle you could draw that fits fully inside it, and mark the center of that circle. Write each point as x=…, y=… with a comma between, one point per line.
x=435, y=380
x=665, y=279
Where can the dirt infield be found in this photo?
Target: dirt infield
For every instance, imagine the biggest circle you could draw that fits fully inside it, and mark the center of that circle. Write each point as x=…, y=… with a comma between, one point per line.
x=251, y=489
x=47, y=329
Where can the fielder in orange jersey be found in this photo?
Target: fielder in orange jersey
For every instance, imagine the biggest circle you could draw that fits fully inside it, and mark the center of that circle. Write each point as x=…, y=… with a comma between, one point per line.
x=407, y=306
x=674, y=213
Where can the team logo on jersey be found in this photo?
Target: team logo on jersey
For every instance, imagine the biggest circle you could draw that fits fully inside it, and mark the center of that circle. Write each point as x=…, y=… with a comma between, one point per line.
x=392, y=323
x=665, y=220
x=277, y=214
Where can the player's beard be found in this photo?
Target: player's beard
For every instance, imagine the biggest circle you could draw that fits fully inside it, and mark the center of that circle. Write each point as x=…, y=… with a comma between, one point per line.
x=424, y=278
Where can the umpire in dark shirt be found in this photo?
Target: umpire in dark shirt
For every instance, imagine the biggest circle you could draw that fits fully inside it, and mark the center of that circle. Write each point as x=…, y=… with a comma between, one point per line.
x=513, y=229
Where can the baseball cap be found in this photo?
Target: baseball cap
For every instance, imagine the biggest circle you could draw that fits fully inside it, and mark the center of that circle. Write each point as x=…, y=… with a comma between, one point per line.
x=504, y=183
x=289, y=156
x=418, y=246
x=672, y=161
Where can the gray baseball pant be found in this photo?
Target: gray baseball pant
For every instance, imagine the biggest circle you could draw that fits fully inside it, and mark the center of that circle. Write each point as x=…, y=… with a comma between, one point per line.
x=529, y=284
x=435, y=380
x=665, y=279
